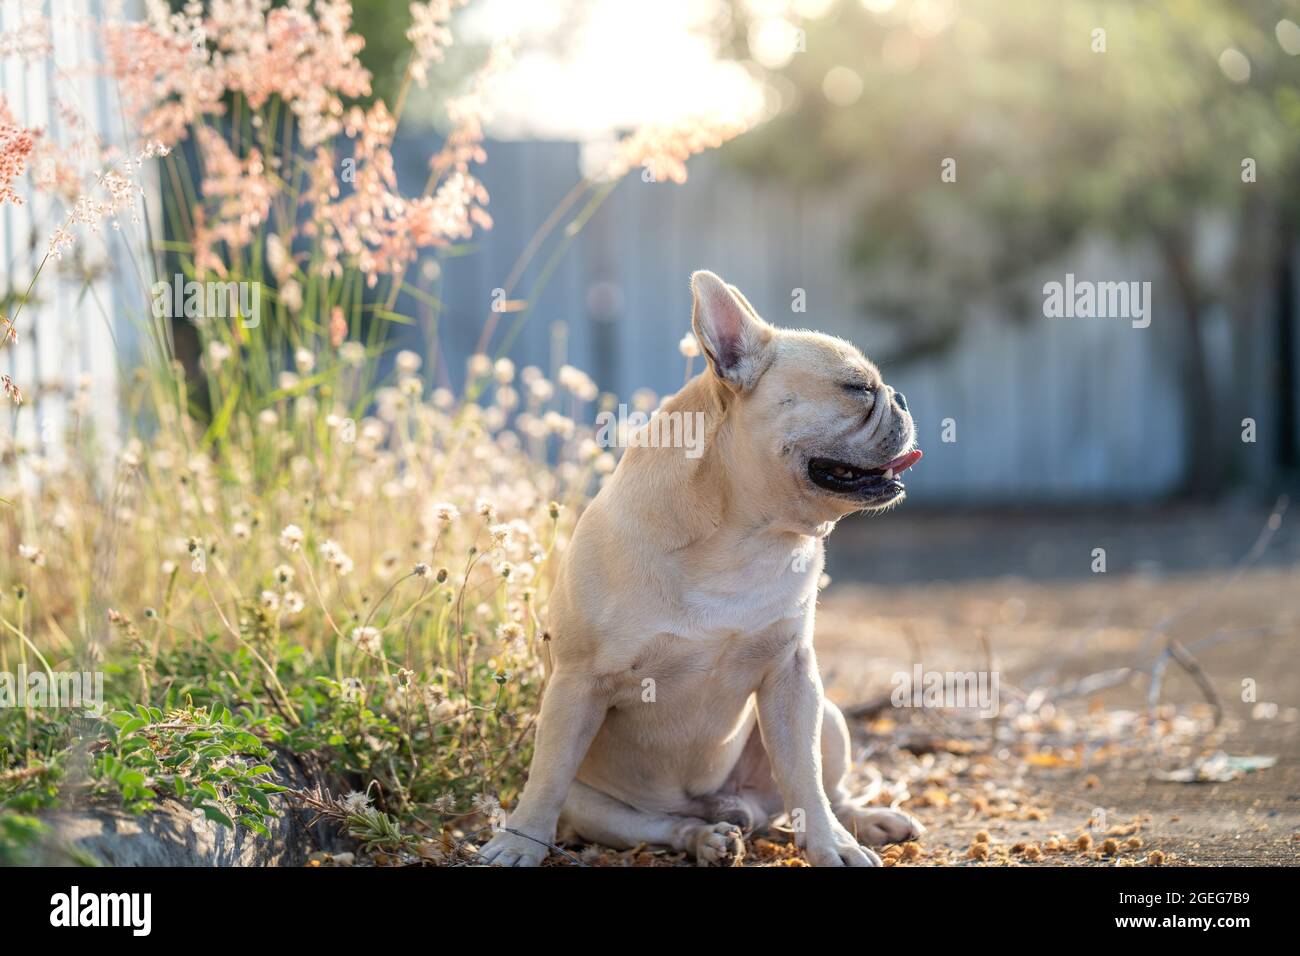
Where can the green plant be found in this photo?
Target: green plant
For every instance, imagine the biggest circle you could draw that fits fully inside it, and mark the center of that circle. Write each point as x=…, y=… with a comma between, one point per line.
x=211, y=761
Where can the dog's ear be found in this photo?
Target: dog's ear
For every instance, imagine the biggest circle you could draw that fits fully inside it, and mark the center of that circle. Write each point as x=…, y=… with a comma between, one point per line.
x=732, y=336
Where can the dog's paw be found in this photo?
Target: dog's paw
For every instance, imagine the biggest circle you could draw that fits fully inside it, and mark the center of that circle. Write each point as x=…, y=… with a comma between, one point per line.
x=716, y=844
x=510, y=849
x=839, y=848
x=876, y=826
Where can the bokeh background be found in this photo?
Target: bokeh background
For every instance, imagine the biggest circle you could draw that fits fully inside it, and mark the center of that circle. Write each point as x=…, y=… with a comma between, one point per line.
x=1149, y=141
x=1153, y=142
x=1104, y=140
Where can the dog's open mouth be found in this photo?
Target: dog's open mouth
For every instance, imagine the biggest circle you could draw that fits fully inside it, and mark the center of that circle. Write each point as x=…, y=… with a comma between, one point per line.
x=871, y=483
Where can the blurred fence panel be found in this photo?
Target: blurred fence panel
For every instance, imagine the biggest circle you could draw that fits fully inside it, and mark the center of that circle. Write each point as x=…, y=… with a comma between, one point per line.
x=71, y=331
x=1043, y=410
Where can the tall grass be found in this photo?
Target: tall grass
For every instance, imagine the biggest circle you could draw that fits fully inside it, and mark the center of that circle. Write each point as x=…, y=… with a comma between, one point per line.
x=291, y=549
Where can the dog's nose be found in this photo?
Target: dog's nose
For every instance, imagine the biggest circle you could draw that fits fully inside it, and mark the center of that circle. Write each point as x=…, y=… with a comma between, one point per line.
x=901, y=399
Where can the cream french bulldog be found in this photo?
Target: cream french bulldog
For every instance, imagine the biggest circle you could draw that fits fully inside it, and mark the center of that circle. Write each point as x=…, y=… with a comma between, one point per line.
x=683, y=704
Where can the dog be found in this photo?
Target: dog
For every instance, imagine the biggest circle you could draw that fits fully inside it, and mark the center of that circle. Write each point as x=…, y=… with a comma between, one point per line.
x=683, y=705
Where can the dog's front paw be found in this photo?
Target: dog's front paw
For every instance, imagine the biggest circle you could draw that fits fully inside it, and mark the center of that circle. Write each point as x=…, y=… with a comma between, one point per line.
x=716, y=844
x=511, y=849
x=839, y=848
x=876, y=826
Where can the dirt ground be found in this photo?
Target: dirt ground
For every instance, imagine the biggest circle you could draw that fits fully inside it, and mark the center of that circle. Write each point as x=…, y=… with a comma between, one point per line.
x=1016, y=594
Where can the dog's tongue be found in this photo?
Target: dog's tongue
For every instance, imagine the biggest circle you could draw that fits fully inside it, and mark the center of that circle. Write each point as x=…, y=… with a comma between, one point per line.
x=904, y=462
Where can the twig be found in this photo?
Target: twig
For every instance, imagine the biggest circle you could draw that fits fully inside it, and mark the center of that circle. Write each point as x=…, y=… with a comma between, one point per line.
x=868, y=709
x=1092, y=683
x=1155, y=669
x=1271, y=526
x=1190, y=664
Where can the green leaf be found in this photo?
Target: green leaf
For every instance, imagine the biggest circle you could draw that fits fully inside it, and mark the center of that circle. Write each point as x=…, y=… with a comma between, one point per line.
x=221, y=423
x=179, y=758
x=394, y=317
x=216, y=816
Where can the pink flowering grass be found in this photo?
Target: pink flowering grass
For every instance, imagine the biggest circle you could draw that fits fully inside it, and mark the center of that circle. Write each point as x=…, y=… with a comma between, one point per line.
x=353, y=566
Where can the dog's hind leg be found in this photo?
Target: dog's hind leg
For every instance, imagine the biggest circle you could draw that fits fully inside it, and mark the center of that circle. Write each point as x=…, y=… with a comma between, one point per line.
x=874, y=826
x=595, y=817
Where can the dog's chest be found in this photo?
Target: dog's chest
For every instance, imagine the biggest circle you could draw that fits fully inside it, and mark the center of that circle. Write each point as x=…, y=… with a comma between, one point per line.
x=716, y=644
x=748, y=597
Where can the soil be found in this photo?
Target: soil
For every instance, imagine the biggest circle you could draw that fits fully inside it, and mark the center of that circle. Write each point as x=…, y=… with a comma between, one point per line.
x=952, y=592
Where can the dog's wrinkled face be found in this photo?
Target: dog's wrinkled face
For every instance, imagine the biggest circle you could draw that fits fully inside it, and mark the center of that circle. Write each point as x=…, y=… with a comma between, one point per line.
x=849, y=434
x=809, y=409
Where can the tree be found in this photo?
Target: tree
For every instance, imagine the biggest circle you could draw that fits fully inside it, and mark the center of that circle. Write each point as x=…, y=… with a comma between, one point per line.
x=1061, y=119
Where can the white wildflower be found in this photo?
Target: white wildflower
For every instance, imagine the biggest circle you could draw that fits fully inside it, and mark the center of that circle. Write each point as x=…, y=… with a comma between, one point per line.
x=291, y=538
x=368, y=639
x=408, y=362
x=336, y=557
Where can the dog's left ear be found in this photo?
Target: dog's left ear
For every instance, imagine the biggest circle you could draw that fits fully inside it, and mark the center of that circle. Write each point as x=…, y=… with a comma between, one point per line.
x=734, y=339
